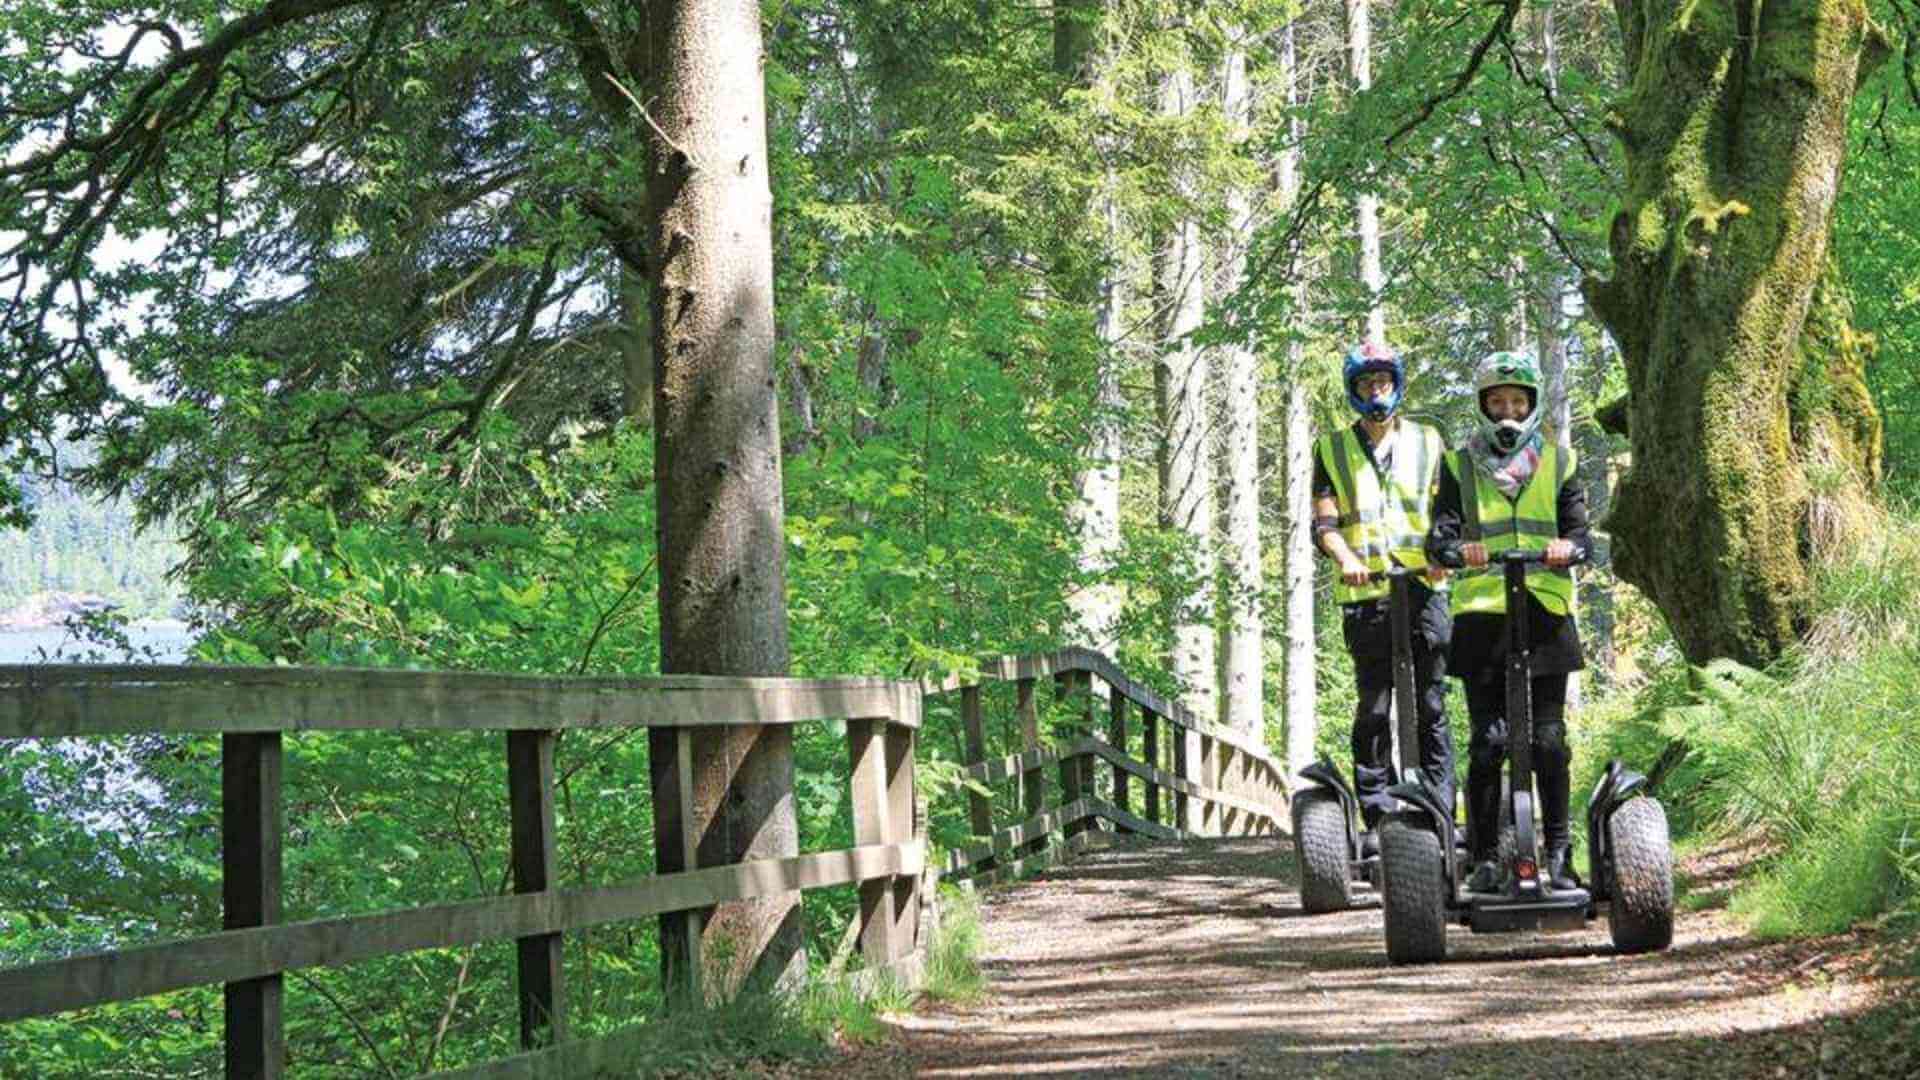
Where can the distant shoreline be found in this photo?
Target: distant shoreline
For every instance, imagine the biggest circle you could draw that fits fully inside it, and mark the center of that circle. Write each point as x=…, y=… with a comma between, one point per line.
x=41, y=627
x=51, y=609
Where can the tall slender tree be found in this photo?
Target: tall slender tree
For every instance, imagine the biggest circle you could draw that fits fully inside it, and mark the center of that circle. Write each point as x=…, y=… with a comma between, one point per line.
x=717, y=469
x=1085, y=48
x=1301, y=687
x=1244, y=672
x=1186, y=459
x=1366, y=204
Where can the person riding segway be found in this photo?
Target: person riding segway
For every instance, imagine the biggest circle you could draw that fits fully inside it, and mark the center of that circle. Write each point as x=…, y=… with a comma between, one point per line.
x=1509, y=514
x=1508, y=489
x=1372, y=485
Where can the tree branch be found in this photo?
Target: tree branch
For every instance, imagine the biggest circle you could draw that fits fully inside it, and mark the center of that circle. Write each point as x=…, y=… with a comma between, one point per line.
x=1501, y=25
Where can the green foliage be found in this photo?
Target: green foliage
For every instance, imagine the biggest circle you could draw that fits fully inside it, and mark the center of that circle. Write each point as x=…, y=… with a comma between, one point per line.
x=1877, y=253
x=1818, y=759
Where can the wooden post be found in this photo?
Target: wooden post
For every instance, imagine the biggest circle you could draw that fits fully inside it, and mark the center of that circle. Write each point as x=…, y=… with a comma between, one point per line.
x=1065, y=685
x=676, y=848
x=900, y=830
x=866, y=750
x=250, y=847
x=882, y=778
x=1209, y=777
x=1032, y=781
x=1083, y=681
x=530, y=796
x=979, y=807
x=1150, y=753
x=1117, y=735
x=1182, y=811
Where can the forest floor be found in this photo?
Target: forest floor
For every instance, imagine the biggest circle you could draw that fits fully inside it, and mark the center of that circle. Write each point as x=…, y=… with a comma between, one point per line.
x=1196, y=960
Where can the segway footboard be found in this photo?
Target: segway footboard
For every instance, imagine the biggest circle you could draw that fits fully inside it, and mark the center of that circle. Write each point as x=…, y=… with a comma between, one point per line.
x=1562, y=909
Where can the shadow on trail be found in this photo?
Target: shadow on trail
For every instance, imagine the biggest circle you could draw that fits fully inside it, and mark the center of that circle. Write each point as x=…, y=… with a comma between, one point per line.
x=1196, y=960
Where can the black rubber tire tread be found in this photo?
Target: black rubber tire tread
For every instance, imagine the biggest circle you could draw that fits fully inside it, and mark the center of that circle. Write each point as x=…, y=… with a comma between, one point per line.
x=1641, y=914
x=1413, y=893
x=1320, y=842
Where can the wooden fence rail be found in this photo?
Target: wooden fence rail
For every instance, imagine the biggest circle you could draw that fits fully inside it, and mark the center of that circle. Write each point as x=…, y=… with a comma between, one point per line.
x=254, y=708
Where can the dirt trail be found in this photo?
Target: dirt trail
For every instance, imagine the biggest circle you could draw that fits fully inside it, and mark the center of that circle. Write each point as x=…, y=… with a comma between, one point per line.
x=1196, y=960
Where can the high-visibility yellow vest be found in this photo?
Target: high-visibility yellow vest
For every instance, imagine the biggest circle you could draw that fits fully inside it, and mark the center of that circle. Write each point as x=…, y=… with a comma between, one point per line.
x=1529, y=523
x=1383, y=519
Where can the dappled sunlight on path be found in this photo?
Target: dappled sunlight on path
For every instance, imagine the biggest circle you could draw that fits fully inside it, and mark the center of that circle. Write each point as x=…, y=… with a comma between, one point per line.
x=1196, y=959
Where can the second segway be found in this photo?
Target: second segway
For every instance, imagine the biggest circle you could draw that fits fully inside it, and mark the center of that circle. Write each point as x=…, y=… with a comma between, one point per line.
x=1630, y=860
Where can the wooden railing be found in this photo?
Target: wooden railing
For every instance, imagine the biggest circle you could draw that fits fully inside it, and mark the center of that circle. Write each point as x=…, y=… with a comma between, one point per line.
x=254, y=708
x=1196, y=777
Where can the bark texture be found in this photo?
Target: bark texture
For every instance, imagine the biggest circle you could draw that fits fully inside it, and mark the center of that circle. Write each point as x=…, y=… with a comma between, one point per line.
x=1301, y=688
x=1747, y=406
x=1096, y=511
x=1366, y=205
x=1245, y=669
x=717, y=470
x=1186, y=478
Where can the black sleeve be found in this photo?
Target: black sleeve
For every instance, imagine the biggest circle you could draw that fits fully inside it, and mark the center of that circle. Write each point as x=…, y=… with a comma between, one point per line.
x=1571, y=509
x=1446, y=517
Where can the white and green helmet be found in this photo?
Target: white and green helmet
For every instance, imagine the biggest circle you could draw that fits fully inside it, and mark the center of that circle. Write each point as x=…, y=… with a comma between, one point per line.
x=1508, y=369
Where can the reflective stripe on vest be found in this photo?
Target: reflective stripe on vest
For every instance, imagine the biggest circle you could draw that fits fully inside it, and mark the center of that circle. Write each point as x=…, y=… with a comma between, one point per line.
x=1528, y=523
x=1381, y=523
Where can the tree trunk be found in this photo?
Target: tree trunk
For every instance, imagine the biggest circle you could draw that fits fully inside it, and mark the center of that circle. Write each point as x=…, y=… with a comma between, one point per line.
x=1186, y=486
x=1366, y=205
x=1551, y=331
x=717, y=470
x=1596, y=586
x=1302, y=689
x=636, y=348
x=1096, y=509
x=1245, y=661
x=1747, y=411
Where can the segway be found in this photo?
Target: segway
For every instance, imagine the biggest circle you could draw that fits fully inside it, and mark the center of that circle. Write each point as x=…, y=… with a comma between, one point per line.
x=1335, y=855
x=1630, y=861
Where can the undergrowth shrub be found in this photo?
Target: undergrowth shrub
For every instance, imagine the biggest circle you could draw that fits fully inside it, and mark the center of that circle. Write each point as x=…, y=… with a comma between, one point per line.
x=1818, y=757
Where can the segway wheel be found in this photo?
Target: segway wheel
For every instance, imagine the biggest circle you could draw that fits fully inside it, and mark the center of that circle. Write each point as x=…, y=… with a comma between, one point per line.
x=1320, y=840
x=1414, y=890
x=1641, y=915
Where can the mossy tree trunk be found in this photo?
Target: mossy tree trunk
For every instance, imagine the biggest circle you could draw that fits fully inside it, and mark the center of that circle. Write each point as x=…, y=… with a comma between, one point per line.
x=1747, y=407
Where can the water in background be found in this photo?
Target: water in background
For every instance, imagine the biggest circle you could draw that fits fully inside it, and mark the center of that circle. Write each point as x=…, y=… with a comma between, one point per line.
x=170, y=640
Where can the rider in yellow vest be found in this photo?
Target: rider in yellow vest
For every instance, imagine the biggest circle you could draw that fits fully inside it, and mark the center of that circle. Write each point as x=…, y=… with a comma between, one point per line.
x=1509, y=488
x=1373, y=483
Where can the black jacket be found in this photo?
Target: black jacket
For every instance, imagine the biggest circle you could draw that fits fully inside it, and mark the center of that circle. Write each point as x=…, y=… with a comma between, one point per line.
x=1480, y=640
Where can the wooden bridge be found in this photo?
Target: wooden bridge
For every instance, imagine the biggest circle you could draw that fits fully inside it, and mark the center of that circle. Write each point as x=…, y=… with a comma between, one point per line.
x=1194, y=777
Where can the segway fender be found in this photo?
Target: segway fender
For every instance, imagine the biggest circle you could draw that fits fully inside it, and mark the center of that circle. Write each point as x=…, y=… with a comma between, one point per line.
x=1324, y=774
x=1420, y=798
x=1616, y=786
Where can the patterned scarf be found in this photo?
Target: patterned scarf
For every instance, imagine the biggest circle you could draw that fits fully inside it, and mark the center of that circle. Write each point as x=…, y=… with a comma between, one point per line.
x=1509, y=472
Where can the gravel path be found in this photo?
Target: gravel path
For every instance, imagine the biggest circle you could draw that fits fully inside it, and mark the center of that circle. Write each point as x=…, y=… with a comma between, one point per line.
x=1195, y=959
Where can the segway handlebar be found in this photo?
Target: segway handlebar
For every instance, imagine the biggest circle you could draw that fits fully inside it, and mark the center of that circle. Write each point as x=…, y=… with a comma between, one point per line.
x=1448, y=555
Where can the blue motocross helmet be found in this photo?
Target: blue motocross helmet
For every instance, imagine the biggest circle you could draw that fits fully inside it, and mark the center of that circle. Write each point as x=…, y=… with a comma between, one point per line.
x=1367, y=359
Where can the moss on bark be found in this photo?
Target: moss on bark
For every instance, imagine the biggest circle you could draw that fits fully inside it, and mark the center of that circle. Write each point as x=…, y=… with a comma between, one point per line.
x=1743, y=370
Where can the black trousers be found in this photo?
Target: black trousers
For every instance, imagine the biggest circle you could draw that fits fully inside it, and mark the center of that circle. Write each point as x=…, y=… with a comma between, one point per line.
x=1372, y=728
x=1487, y=757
